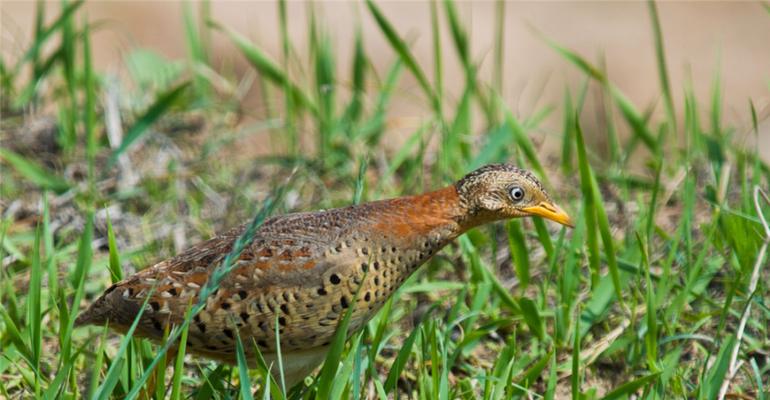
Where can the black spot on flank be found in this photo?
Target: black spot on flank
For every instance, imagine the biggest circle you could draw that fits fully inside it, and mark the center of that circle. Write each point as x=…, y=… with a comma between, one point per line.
x=344, y=302
x=263, y=326
x=364, y=267
x=282, y=321
x=172, y=291
x=260, y=307
x=325, y=344
x=400, y=259
x=245, y=317
x=286, y=296
x=262, y=343
x=155, y=305
x=376, y=265
x=285, y=309
x=426, y=244
x=228, y=333
x=157, y=325
x=242, y=294
x=197, y=318
x=384, y=250
x=367, y=296
x=338, y=248
x=225, y=305
x=201, y=327
x=392, y=249
x=321, y=292
x=364, y=251
x=377, y=281
x=334, y=279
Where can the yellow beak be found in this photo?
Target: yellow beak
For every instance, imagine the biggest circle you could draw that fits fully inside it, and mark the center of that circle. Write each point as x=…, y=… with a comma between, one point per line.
x=550, y=211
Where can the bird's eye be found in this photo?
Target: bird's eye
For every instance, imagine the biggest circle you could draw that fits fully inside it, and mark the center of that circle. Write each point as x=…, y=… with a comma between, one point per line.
x=517, y=193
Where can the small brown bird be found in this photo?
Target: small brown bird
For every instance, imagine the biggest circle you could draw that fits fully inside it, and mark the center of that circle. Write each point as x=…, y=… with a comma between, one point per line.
x=302, y=270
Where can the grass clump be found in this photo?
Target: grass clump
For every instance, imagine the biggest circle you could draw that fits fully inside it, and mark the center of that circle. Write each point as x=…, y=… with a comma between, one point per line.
x=660, y=291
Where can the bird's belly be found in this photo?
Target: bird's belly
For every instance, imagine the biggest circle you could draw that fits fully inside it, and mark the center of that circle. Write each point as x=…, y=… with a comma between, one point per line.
x=296, y=364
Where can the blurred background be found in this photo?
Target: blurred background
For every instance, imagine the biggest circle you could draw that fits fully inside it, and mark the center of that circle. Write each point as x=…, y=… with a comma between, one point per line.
x=702, y=39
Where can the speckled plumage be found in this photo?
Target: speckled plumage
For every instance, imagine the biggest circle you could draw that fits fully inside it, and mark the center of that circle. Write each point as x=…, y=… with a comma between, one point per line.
x=301, y=272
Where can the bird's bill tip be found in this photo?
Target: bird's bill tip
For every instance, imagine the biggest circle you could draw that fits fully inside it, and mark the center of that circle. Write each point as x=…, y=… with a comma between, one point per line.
x=550, y=211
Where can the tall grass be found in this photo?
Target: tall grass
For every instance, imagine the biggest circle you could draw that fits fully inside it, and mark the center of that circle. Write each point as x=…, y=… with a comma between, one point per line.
x=619, y=307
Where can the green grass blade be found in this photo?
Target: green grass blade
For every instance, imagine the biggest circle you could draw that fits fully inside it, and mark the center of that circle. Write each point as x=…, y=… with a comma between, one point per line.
x=438, y=70
x=532, y=317
x=716, y=103
x=243, y=369
x=43, y=34
x=89, y=109
x=360, y=181
x=589, y=210
x=627, y=389
x=631, y=115
x=159, y=108
x=268, y=68
x=402, y=50
x=525, y=145
x=579, y=61
x=331, y=364
x=34, y=312
x=355, y=108
x=176, y=379
x=660, y=55
x=712, y=382
x=595, y=209
x=33, y=172
x=518, y=246
x=401, y=359
x=575, y=377
x=116, y=272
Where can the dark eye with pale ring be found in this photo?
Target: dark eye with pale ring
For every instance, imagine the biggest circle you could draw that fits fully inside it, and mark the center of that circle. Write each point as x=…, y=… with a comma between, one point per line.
x=517, y=193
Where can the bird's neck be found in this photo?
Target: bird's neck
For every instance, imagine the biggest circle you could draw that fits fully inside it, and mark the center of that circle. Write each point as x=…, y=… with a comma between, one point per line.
x=438, y=216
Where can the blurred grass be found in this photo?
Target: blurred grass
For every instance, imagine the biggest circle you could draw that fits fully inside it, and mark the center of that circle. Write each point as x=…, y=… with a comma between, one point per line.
x=641, y=300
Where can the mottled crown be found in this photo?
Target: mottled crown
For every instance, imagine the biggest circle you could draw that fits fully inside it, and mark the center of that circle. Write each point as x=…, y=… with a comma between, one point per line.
x=476, y=183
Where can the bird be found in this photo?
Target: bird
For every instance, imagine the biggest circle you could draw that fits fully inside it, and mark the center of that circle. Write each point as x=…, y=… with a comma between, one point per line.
x=303, y=271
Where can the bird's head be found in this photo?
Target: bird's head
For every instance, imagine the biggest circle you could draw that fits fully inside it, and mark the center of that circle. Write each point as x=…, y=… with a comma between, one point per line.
x=502, y=191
